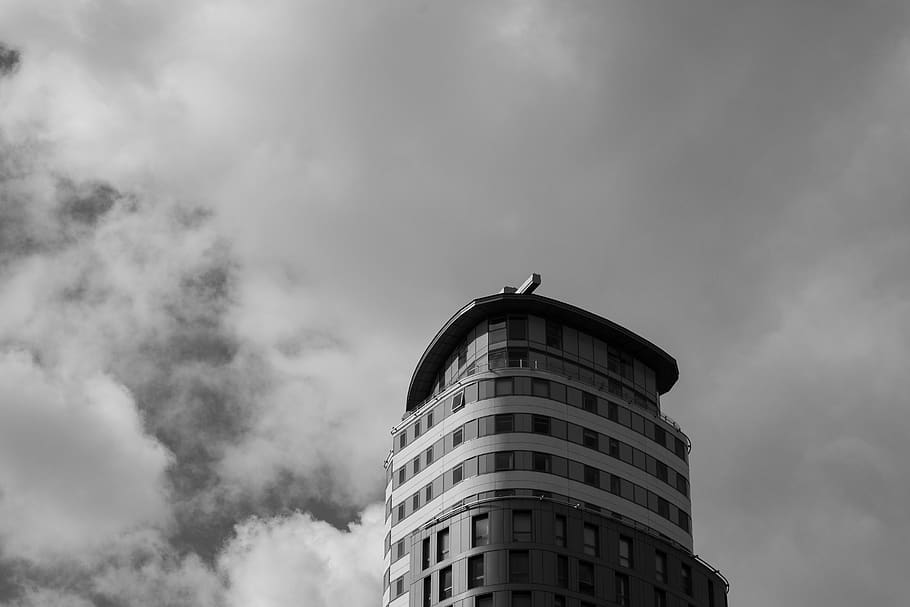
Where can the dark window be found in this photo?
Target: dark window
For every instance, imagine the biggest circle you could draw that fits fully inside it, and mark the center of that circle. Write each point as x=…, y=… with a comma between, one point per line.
x=518, y=327
x=562, y=571
x=425, y=553
x=399, y=549
x=481, y=530
x=497, y=330
x=554, y=335
x=504, y=460
x=686, y=574
x=660, y=436
x=615, y=485
x=416, y=464
x=442, y=545
x=622, y=589
x=475, y=571
x=429, y=456
x=591, y=540
x=589, y=402
x=682, y=485
x=519, y=566
x=558, y=600
x=590, y=438
x=592, y=476
x=660, y=597
x=504, y=386
x=711, y=593
x=614, y=448
x=625, y=552
x=400, y=511
x=483, y=600
x=457, y=474
x=541, y=462
x=521, y=599
x=457, y=401
x=521, y=525
x=427, y=591
x=660, y=566
x=497, y=359
x=540, y=424
x=429, y=420
x=416, y=429
x=586, y=577
x=402, y=474
x=683, y=520
x=415, y=501
x=680, y=449
x=662, y=471
x=663, y=507
x=503, y=423
x=457, y=437
x=428, y=492
x=559, y=534
x=613, y=412
x=445, y=583
x=540, y=387
x=402, y=440
x=399, y=586
x=462, y=355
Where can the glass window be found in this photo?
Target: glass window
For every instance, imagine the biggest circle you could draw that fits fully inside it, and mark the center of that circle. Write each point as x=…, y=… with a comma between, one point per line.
x=540, y=387
x=622, y=589
x=416, y=429
x=562, y=571
x=558, y=600
x=504, y=423
x=503, y=386
x=428, y=491
x=660, y=566
x=401, y=513
x=415, y=501
x=521, y=599
x=442, y=545
x=429, y=454
x=554, y=335
x=592, y=476
x=497, y=330
x=586, y=577
x=425, y=553
x=541, y=462
x=445, y=583
x=504, y=460
x=591, y=540
x=457, y=437
x=625, y=551
x=589, y=402
x=660, y=436
x=483, y=600
x=590, y=438
x=399, y=549
x=614, y=448
x=399, y=586
x=402, y=474
x=519, y=566
x=686, y=574
x=475, y=571
x=480, y=530
x=402, y=440
x=662, y=471
x=497, y=358
x=560, y=530
x=540, y=424
x=660, y=597
x=457, y=474
x=521, y=525
x=518, y=327
x=427, y=591
x=457, y=401
x=429, y=420
x=415, y=464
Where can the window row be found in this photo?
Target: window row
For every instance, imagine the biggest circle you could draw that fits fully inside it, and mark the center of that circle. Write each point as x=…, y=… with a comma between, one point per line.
x=501, y=461
x=542, y=388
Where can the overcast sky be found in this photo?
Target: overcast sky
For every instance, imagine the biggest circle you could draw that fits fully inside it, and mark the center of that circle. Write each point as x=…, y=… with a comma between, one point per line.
x=229, y=229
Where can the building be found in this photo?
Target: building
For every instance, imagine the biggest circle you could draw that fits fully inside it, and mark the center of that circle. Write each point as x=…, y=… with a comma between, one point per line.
x=534, y=467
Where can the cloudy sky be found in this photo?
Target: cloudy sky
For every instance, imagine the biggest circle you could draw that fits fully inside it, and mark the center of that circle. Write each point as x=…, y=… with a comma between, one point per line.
x=228, y=230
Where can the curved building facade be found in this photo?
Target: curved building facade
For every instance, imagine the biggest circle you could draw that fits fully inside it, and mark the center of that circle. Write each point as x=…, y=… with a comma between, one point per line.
x=534, y=468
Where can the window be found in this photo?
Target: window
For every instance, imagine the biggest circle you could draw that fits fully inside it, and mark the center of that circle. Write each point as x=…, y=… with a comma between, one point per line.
x=425, y=553
x=399, y=586
x=682, y=485
x=497, y=330
x=427, y=591
x=462, y=355
x=660, y=436
x=483, y=600
x=429, y=420
x=559, y=533
x=521, y=526
x=442, y=545
x=428, y=491
x=680, y=449
x=589, y=438
x=710, y=593
x=540, y=424
x=402, y=474
x=589, y=402
x=503, y=423
x=660, y=566
x=622, y=589
x=457, y=474
x=592, y=476
x=415, y=501
x=662, y=471
x=402, y=440
x=613, y=412
x=518, y=327
x=429, y=456
x=586, y=577
x=480, y=534
x=445, y=583
x=540, y=387
x=591, y=540
x=686, y=574
x=457, y=401
x=521, y=599
x=559, y=600
x=663, y=507
x=399, y=549
x=519, y=566
x=416, y=464
x=625, y=551
x=554, y=335
x=416, y=428
x=401, y=514
x=504, y=460
x=457, y=437
x=615, y=485
x=540, y=462
x=614, y=448
x=562, y=571
x=660, y=597
x=475, y=571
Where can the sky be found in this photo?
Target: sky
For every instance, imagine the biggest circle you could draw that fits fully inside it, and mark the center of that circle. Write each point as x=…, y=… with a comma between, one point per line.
x=228, y=230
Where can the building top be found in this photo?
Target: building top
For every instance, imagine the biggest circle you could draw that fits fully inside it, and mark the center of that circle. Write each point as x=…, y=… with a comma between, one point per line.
x=517, y=302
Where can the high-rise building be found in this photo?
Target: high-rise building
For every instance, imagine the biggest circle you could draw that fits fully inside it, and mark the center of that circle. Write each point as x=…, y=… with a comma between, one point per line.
x=534, y=467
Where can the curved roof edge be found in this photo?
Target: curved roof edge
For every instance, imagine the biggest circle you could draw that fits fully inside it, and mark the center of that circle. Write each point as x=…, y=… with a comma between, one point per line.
x=454, y=330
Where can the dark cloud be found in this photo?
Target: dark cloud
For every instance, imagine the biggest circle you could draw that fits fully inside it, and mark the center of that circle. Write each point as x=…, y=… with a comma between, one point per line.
x=9, y=59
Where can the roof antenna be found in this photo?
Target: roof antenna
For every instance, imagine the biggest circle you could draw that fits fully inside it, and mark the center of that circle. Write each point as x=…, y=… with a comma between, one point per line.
x=526, y=288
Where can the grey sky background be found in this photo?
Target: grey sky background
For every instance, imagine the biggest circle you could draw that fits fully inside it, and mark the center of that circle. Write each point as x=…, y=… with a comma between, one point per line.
x=228, y=230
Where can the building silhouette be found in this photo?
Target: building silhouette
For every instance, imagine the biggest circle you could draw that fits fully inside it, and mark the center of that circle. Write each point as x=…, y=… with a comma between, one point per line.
x=534, y=467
